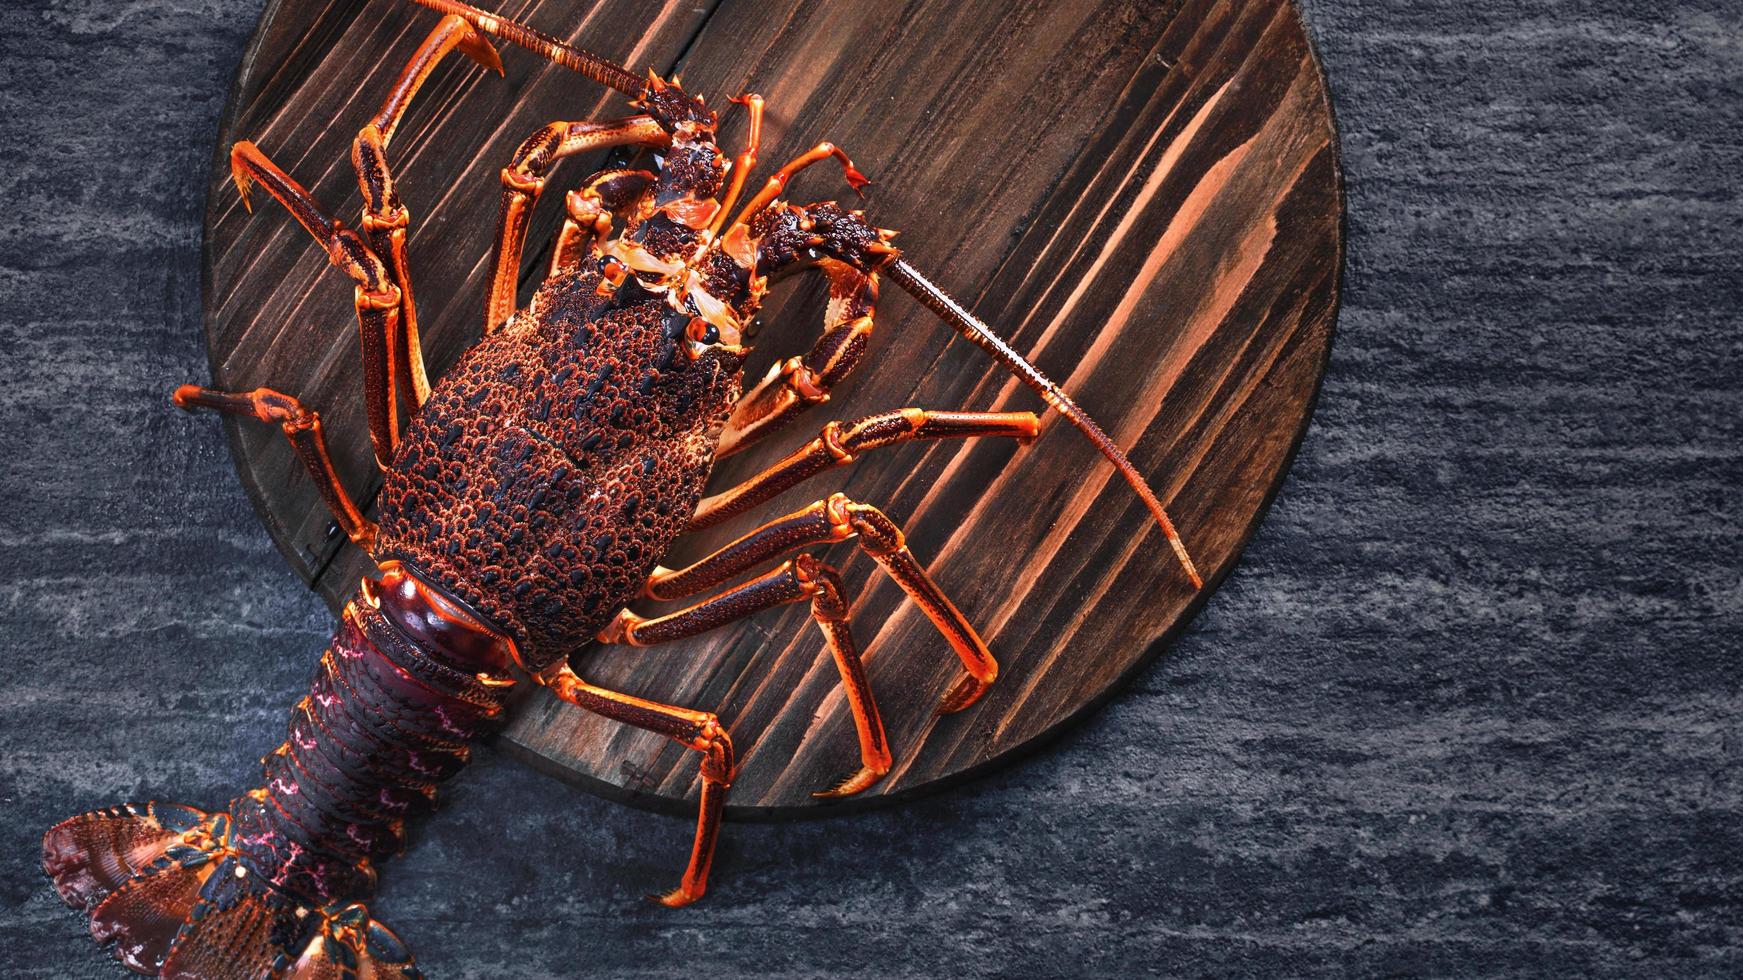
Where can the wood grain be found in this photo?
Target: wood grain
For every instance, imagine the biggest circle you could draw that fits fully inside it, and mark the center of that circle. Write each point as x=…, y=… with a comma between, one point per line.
x=1142, y=197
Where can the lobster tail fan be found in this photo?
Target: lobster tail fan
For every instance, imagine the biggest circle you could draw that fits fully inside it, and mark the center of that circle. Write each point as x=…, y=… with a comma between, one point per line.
x=162, y=884
x=237, y=930
x=970, y=326
x=352, y=945
x=91, y=855
x=241, y=929
x=144, y=915
x=132, y=868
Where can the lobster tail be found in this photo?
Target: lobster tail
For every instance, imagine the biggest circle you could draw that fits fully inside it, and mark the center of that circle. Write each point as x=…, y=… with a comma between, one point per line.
x=167, y=895
x=270, y=886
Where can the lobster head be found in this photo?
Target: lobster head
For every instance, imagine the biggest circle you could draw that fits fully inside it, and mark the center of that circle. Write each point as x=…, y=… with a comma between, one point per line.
x=677, y=111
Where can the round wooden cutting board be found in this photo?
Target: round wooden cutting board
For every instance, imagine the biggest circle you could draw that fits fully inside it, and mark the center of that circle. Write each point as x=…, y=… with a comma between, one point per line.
x=1142, y=197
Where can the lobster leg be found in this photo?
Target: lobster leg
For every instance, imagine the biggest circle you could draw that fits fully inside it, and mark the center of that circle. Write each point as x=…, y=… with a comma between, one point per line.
x=804, y=577
x=385, y=218
x=376, y=296
x=825, y=522
x=840, y=444
x=700, y=730
x=777, y=182
x=590, y=210
x=523, y=180
x=744, y=163
x=303, y=428
x=798, y=383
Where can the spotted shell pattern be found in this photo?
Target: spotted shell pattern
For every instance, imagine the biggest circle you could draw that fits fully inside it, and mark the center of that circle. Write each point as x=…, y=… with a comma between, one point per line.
x=544, y=477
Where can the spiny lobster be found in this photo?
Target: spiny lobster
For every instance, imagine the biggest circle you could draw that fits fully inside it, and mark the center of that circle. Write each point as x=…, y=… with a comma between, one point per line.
x=528, y=500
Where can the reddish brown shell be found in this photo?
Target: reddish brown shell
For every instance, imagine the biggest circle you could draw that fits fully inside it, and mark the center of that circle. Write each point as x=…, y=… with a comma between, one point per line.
x=551, y=468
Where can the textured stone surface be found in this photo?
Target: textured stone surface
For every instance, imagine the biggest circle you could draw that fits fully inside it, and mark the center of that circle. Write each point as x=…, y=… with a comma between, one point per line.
x=1467, y=707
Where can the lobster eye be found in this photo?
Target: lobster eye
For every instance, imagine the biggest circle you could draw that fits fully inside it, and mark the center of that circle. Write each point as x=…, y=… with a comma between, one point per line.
x=702, y=331
x=613, y=270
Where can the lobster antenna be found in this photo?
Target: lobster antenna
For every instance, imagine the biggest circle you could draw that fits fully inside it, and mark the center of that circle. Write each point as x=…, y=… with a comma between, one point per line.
x=607, y=73
x=967, y=324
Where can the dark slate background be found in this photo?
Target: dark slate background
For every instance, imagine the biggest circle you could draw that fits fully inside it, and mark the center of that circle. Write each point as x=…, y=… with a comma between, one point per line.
x=1467, y=707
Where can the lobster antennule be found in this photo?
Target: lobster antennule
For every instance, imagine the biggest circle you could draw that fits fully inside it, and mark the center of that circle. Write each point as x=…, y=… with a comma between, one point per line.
x=970, y=326
x=605, y=72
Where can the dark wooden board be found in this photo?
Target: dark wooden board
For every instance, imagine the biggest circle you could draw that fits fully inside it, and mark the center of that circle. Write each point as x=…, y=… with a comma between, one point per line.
x=1142, y=197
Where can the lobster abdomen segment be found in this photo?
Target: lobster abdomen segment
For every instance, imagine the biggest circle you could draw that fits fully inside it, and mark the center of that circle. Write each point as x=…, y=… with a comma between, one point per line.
x=383, y=723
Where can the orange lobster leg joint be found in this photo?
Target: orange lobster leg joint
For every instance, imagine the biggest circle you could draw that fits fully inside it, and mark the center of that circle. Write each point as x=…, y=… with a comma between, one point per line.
x=385, y=218
x=303, y=428
x=453, y=33
x=884, y=542
x=742, y=164
x=829, y=607
x=377, y=297
x=588, y=223
x=825, y=522
x=699, y=730
x=789, y=388
x=778, y=182
x=839, y=445
x=798, y=383
x=345, y=248
x=802, y=578
x=523, y=180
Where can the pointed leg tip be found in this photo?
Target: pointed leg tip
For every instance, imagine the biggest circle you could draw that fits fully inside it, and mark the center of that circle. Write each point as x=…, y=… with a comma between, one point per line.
x=677, y=898
x=967, y=690
x=240, y=177
x=483, y=52
x=855, y=782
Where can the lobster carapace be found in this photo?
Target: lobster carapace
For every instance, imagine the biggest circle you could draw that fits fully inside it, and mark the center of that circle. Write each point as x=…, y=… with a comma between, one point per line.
x=528, y=500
